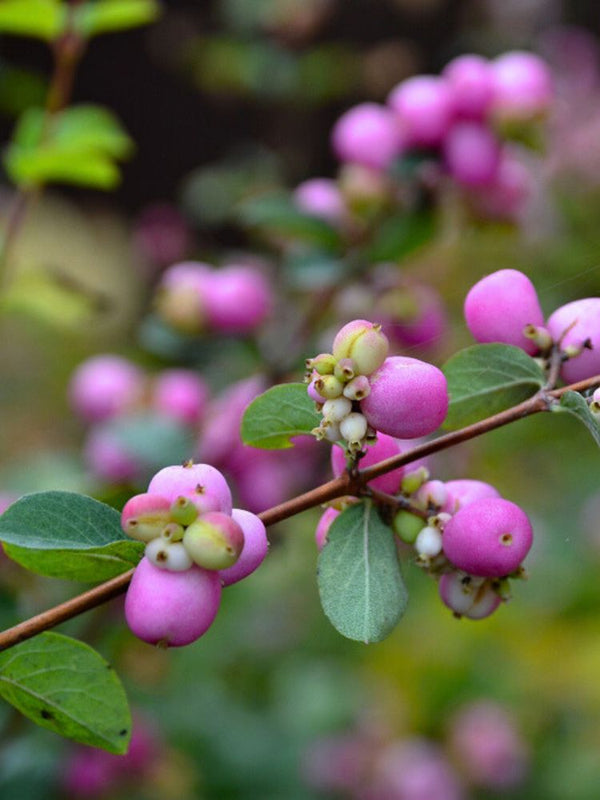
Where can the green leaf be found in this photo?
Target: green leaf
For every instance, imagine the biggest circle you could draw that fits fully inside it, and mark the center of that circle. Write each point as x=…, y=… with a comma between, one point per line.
x=400, y=236
x=276, y=214
x=65, y=686
x=486, y=379
x=92, y=565
x=41, y=19
x=361, y=587
x=90, y=127
x=575, y=404
x=60, y=521
x=107, y=16
x=275, y=416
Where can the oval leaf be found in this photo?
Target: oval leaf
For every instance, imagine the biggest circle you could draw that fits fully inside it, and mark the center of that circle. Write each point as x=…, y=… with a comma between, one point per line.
x=361, y=587
x=60, y=521
x=575, y=404
x=42, y=19
x=106, y=16
x=275, y=416
x=65, y=686
x=488, y=378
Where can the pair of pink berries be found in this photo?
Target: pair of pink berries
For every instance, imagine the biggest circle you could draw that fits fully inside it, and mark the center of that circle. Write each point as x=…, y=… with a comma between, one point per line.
x=194, y=297
x=504, y=307
x=196, y=543
x=360, y=390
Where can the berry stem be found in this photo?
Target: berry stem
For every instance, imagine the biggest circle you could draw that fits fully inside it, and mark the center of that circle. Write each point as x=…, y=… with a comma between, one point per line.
x=346, y=484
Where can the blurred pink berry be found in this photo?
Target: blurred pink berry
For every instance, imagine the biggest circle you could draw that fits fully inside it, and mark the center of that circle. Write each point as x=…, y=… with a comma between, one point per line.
x=171, y=608
x=367, y=134
x=499, y=306
x=424, y=108
x=238, y=299
x=523, y=86
x=573, y=324
x=256, y=546
x=415, y=769
x=472, y=154
x=409, y=398
x=471, y=82
x=105, y=386
x=488, y=537
x=321, y=197
x=107, y=458
x=385, y=447
x=181, y=394
x=506, y=198
x=162, y=234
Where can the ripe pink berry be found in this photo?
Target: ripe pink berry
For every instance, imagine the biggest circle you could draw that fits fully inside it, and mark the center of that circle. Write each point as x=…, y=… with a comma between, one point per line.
x=214, y=540
x=522, y=86
x=162, y=234
x=468, y=596
x=385, y=447
x=499, y=306
x=466, y=491
x=367, y=134
x=472, y=154
x=364, y=343
x=424, y=108
x=322, y=198
x=144, y=516
x=196, y=481
x=584, y=317
x=488, y=537
x=237, y=299
x=256, y=546
x=471, y=82
x=408, y=398
x=171, y=608
x=414, y=769
x=107, y=459
x=325, y=522
x=181, y=394
x=105, y=386
x=507, y=197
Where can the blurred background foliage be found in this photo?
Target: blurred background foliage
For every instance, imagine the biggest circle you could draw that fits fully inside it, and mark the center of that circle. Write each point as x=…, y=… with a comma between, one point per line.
x=224, y=100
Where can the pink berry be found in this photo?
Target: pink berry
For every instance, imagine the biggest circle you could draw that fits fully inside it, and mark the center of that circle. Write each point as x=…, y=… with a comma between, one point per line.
x=472, y=154
x=507, y=196
x=522, y=86
x=107, y=459
x=499, y=306
x=409, y=398
x=145, y=516
x=367, y=134
x=238, y=299
x=466, y=491
x=321, y=197
x=471, y=81
x=255, y=548
x=162, y=234
x=424, y=108
x=468, y=596
x=415, y=769
x=325, y=522
x=181, y=394
x=385, y=447
x=573, y=324
x=171, y=608
x=488, y=537
x=214, y=540
x=105, y=386
x=194, y=481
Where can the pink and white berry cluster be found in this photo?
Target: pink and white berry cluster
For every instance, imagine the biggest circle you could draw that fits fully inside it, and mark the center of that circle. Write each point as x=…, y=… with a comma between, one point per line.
x=504, y=307
x=194, y=297
x=360, y=390
x=195, y=544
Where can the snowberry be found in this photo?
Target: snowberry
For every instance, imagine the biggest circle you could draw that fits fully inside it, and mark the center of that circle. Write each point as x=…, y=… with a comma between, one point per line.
x=424, y=107
x=180, y=298
x=499, y=306
x=353, y=428
x=214, y=540
x=105, y=386
x=522, y=86
x=171, y=608
x=199, y=482
x=321, y=197
x=255, y=547
x=465, y=491
x=472, y=154
x=573, y=324
x=181, y=394
x=168, y=555
x=385, y=447
x=428, y=542
x=468, y=596
x=472, y=84
x=408, y=398
x=488, y=537
x=238, y=299
x=145, y=515
x=407, y=525
x=363, y=342
x=367, y=134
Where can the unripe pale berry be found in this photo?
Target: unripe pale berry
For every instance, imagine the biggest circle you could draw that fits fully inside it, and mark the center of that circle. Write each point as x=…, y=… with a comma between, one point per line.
x=499, y=306
x=336, y=410
x=194, y=481
x=180, y=296
x=256, y=546
x=367, y=134
x=183, y=511
x=325, y=522
x=573, y=324
x=214, y=541
x=384, y=447
x=328, y=386
x=434, y=493
x=323, y=364
x=105, y=386
x=144, y=516
x=428, y=542
x=424, y=107
x=168, y=555
x=468, y=596
x=488, y=537
x=345, y=370
x=407, y=525
x=171, y=608
x=353, y=427
x=358, y=388
x=313, y=393
x=363, y=342
x=408, y=398
x=472, y=154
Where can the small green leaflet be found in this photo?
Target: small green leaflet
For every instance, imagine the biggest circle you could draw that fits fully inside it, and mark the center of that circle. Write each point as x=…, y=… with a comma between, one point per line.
x=106, y=16
x=65, y=686
x=486, y=379
x=575, y=404
x=275, y=416
x=67, y=535
x=361, y=587
x=41, y=19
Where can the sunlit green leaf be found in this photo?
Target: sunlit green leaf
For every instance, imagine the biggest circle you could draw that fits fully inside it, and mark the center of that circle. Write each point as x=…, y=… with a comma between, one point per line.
x=41, y=19
x=275, y=416
x=107, y=16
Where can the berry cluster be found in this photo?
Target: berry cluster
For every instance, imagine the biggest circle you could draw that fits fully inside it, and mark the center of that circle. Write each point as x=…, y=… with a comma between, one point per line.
x=360, y=390
x=195, y=544
x=504, y=307
x=194, y=298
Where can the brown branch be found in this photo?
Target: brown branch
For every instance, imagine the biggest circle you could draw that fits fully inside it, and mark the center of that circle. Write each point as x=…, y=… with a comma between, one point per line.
x=346, y=484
